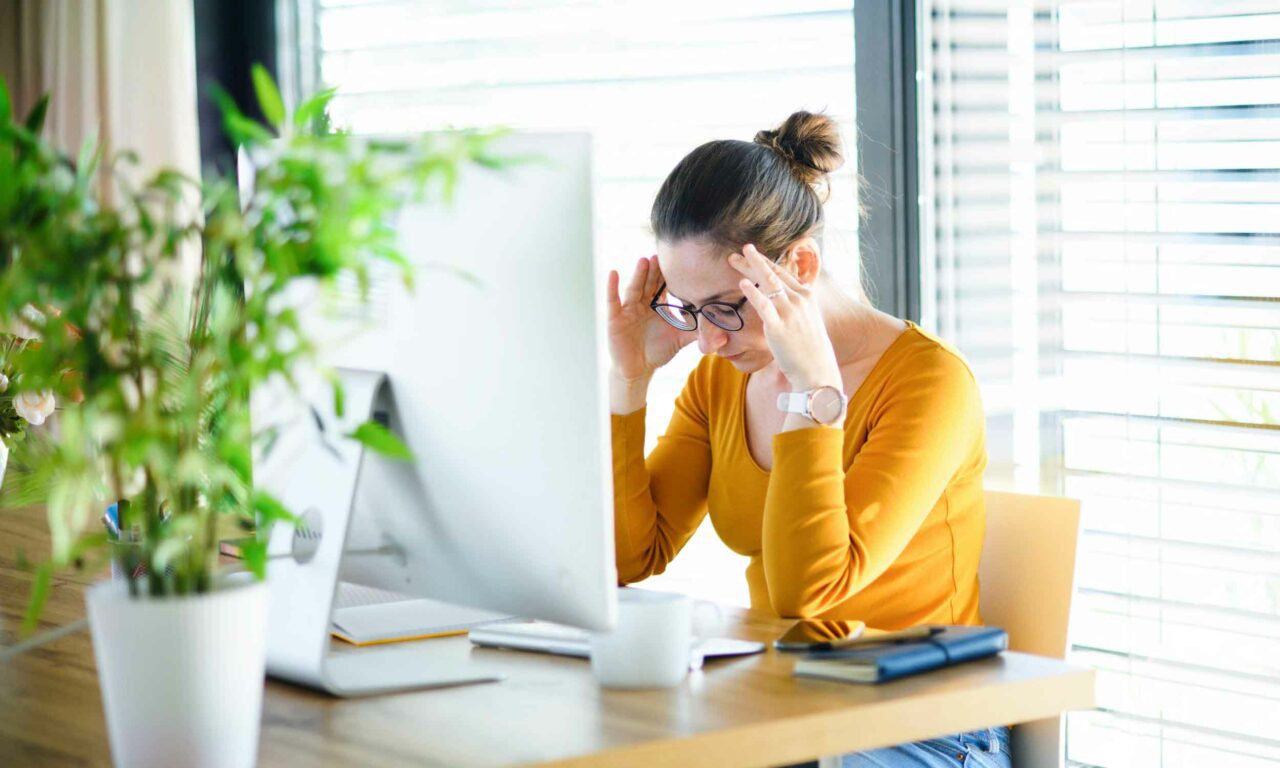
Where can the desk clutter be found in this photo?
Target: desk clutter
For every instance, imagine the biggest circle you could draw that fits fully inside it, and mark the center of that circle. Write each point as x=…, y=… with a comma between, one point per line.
x=365, y=615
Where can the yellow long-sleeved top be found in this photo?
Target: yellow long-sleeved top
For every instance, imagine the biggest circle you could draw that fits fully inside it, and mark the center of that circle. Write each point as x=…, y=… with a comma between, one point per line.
x=880, y=522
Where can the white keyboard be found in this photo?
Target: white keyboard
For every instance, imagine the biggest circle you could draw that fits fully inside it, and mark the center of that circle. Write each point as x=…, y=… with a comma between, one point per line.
x=545, y=637
x=540, y=636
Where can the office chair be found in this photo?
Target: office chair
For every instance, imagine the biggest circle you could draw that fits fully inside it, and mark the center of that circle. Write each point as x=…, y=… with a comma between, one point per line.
x=1027, y=578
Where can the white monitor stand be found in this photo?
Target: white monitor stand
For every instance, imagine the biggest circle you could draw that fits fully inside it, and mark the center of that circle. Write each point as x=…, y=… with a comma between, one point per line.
x=316, y=473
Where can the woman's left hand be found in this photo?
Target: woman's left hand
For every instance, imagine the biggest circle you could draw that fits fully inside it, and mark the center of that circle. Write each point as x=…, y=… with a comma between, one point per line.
x=793, y=323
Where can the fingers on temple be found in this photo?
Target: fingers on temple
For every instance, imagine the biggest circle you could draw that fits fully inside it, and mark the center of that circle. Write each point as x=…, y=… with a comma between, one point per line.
x=611, y=292
x=654, y=280
x=761, y=303
x=638, y=279
x=747, y=266
x=760, y=269
x=786, y=277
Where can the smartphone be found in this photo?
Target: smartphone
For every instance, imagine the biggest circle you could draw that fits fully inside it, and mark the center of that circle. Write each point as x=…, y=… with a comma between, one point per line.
x=817, y=634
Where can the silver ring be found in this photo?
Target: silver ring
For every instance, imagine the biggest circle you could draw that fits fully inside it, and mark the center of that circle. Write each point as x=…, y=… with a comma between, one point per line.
x=775, y=294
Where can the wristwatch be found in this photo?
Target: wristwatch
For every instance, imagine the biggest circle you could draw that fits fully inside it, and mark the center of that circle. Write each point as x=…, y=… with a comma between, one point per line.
x=825, y=405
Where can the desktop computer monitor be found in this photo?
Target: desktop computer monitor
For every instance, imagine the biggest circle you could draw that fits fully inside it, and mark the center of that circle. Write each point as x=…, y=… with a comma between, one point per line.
x=496, y=363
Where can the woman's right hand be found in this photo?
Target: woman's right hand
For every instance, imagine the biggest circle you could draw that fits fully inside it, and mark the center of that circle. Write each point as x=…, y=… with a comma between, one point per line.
x=640, y=342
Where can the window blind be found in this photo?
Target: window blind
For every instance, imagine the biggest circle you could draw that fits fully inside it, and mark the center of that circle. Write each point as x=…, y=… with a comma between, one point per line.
x=649, y=80
x=1102, y=240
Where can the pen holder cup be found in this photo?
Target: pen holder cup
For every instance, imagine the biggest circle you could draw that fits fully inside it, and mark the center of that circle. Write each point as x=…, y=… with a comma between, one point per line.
x=127, y=562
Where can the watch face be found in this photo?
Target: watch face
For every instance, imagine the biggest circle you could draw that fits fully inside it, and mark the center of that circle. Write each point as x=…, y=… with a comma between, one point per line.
x=826, y=405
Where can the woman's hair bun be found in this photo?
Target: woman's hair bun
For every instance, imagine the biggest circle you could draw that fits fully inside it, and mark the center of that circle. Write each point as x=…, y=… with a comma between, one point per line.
x=810, y=143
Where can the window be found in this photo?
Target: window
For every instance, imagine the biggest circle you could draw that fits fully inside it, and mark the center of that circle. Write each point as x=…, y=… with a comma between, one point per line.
x=1102, y=240
x=649, y=80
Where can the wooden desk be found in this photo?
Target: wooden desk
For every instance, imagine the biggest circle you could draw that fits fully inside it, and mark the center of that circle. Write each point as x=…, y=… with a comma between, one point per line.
x=740, y=712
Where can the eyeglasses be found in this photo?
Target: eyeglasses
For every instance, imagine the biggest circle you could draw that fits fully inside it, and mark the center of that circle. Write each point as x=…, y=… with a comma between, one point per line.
x=685, y=316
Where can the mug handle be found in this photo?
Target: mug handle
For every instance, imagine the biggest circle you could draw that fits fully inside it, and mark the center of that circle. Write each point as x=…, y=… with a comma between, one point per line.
x=708, y=622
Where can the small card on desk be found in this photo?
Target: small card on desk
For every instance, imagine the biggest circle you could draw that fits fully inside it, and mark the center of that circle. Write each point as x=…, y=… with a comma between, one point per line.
x=889, y=661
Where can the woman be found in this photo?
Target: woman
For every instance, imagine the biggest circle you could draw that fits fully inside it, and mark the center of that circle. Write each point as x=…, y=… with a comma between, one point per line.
x=840, y=448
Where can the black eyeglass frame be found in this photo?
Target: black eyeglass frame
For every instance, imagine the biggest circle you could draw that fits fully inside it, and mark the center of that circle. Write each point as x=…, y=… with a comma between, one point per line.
x=654, y=304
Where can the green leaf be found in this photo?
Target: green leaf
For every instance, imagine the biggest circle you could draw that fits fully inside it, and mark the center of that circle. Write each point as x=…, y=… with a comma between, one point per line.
x=39, y=594
x=339, y=398
x=126, y=157
x=240, y=129
x=35, y=118
x=168, y=551
x=270, y=510
x=268, y=96
x=239, y=458
x=310, y=112
x=89, y=157
x=267, y=439
x=173, y=182
x=379, y=439
x=6, y=106
x=393, y=255
x=244, y=130
x=87, y=543
x=254, y=553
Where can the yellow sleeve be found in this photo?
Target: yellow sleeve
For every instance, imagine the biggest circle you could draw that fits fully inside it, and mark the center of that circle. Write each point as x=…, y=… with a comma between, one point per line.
x=830, y=531
x=658, y=503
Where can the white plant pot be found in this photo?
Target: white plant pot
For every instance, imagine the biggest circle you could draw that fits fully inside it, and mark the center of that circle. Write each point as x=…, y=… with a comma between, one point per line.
x=181, y=677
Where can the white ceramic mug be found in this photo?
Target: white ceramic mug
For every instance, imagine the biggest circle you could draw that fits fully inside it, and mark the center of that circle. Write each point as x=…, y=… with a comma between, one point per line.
x=656, y=642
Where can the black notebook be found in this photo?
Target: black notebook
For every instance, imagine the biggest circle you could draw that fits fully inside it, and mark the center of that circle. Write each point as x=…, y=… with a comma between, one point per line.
x=878, y=663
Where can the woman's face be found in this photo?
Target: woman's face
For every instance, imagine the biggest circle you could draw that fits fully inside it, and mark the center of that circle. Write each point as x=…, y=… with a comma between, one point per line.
x=697, y=272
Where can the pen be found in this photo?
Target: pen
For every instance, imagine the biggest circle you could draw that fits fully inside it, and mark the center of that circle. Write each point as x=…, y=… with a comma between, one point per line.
x=913, y=633
x=112, y=530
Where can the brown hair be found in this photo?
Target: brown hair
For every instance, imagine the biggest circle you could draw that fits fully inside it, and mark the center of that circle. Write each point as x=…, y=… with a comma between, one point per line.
x=768, y=192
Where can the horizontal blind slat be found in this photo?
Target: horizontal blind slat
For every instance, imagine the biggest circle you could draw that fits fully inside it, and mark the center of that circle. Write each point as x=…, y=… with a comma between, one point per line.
x=1101, y=179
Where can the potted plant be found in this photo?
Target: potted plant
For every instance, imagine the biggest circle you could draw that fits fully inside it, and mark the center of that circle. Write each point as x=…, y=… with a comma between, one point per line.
x=161, y=363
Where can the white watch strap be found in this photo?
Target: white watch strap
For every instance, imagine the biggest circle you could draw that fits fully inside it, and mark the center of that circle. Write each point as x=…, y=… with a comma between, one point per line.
x=794, y=402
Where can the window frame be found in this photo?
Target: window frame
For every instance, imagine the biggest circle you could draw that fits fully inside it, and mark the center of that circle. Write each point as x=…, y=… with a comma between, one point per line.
x=886, y=40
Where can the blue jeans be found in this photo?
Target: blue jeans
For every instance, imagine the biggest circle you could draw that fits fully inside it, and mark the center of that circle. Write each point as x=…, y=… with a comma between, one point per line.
x=987, y=748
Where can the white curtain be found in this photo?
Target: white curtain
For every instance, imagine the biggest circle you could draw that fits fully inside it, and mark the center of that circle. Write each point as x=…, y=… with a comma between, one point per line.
x=121, y=69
